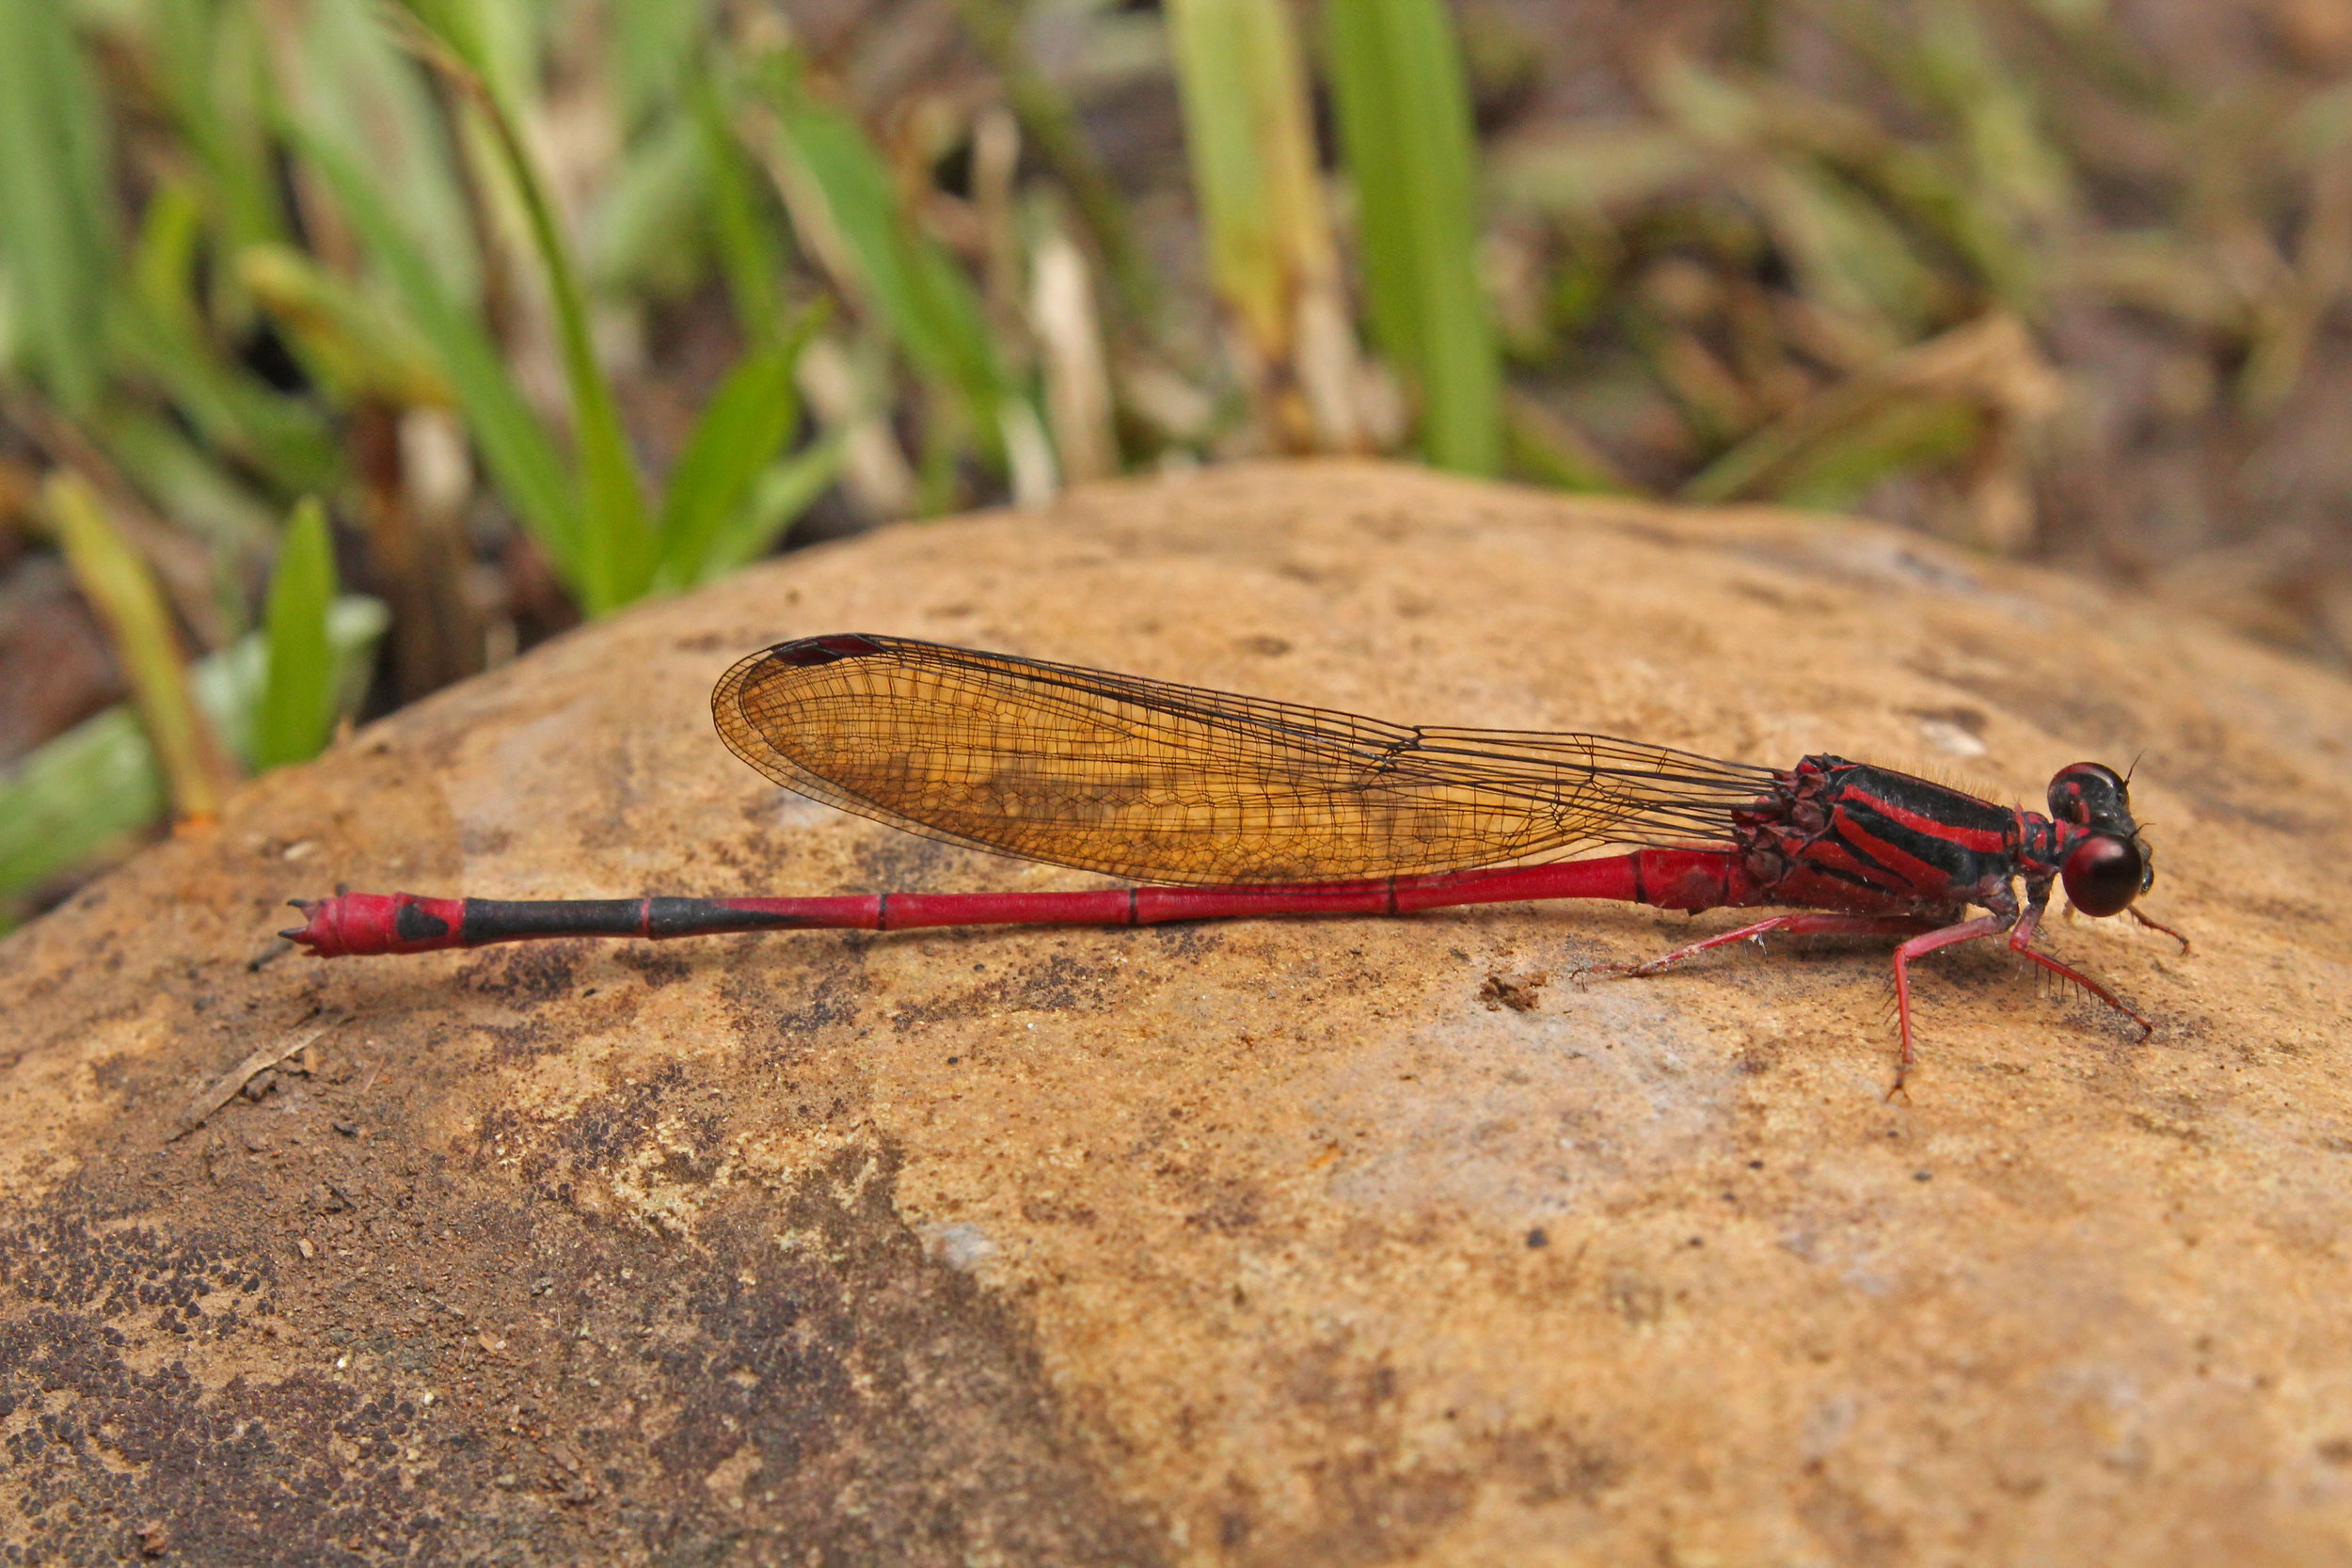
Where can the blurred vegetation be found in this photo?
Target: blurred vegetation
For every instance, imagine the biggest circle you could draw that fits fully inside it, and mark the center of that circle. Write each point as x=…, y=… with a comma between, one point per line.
x=504, y=312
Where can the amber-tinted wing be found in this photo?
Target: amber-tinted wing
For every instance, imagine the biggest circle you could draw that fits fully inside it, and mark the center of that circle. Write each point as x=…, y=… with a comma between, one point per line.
x=1171, y=783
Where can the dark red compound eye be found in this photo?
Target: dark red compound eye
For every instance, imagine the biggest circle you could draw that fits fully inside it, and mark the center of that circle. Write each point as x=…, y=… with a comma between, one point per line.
x=2103, y=875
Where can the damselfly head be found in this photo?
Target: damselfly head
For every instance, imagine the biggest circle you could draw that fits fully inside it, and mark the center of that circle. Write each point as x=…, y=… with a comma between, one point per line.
x=2092, y=795
x=2109, y=864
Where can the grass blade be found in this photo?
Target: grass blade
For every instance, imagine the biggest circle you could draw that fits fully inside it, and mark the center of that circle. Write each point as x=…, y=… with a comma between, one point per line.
x=843, y=200
x=845, y=205
x=654, y=44
x=746, y=421
x=630, y=241
x=618, y=551
x=83, y=794
x=342, y=74
x=76, y=800
x=1404, y=111
x=54, y=186
x=2012, y=162
x=1236, y=66
x=1589, y=175
x=159, y=329
x=352, y=343
x=1921, y=185
x=297, y=710
x=776, y=501
x=1052, y=126
x=208, y=61
x=743, y=238
x=1910, y=409
x=515, y=448
x=1248, y=131
x=122, y=591
x=1545, y=448
x=189, y=487
x=1850, y=258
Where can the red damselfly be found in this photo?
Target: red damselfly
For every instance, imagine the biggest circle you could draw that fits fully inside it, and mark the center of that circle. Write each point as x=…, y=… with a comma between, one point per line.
x=1228, y=806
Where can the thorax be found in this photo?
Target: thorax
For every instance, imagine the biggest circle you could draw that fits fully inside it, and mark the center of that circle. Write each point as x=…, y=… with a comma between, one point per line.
x=1838, y=834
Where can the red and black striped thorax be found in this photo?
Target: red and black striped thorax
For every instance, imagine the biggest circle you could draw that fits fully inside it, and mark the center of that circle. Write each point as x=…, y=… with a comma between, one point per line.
x=1839, y=834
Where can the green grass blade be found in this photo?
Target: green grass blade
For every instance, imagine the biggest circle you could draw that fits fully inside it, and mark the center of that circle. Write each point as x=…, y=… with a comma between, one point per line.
x=1545, y=446
x=516, y=447
x=159, y=329
x=745, y=241
x=653, y=44
x=297, y=710
x=499, y=42
x=1922, y=185
x=345, y=80
x=1925, y=434
x=209, y=67
x=618, y=551
x=54, y=187
x=164, y=259
x=2012, y=161
x=1249, y=137
x=775, y=504
x=283, y=438
x=1916, y=408
x=842, y=198
x=1250, y=150
x=745, y=422
x=352, y=343
x=120, y=588
x=86, y=791
x=1850, y=256
x=1591, y=175
x=1404, y=111
x=190, y=488
x=74, y=800
x=639, y=237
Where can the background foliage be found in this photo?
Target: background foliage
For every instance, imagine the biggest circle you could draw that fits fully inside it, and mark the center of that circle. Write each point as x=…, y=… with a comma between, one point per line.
x=504, y=312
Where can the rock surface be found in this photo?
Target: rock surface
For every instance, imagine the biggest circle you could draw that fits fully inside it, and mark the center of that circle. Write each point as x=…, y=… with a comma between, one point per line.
x=1307, y=1242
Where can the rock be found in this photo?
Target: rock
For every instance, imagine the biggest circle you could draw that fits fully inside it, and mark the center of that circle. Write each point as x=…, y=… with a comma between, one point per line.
x=1291, y=1242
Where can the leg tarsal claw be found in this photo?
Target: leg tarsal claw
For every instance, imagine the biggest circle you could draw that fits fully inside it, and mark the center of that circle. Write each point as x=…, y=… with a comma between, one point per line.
x=2157, y=926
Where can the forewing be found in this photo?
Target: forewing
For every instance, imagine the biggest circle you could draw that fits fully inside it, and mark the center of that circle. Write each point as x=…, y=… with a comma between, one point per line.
x=1173, y=783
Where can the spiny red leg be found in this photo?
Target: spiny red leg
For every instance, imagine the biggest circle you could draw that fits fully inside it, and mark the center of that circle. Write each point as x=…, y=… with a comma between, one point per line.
x=2132, y=910
x=1667, y=961
x=2020, y=940
x=1814, y=922
x=1919, y=947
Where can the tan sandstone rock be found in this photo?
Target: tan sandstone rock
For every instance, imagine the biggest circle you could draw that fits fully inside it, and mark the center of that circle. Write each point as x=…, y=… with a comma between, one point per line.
x=1274, y=1243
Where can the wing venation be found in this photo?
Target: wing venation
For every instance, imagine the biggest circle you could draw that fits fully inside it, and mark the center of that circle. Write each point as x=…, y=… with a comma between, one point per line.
x=1164, y=783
